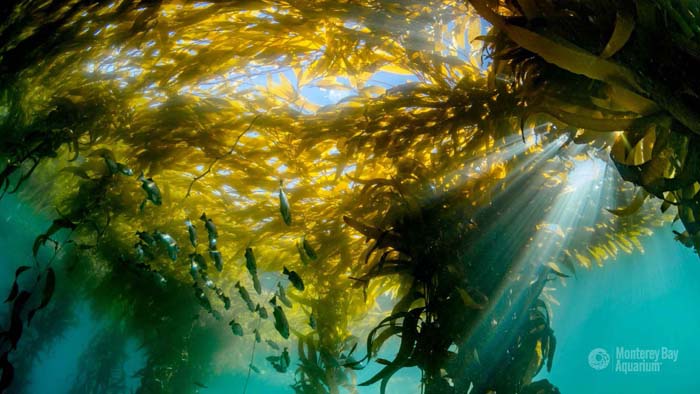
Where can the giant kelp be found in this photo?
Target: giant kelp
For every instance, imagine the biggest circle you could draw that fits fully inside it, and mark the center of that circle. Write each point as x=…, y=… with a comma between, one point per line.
x=599, y=70
x=402, y=190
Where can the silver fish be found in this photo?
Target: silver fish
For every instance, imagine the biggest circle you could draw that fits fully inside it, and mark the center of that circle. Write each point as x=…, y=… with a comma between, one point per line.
x=169, y=242
x=192, y=232
x=218, y=262
x=285, y=211
x=152, y=192
x=252, y=267
x=281, y=323
x=210, y=226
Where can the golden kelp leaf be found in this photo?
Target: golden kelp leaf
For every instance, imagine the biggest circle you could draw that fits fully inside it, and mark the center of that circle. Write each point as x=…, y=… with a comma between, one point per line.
x=618, y=152
x=566, y=56
x=555, y=268
x=623, y=243
x=397, y=69
x=643, y=150
x=624, y=26
x=639, y=154
x=498, y=171
x=458, y=39
x=634, y=205
x=621, y=98
x=583, y=260
x=577, y=117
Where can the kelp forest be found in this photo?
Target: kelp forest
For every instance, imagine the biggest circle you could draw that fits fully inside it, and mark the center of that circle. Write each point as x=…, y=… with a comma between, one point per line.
x=334, y=187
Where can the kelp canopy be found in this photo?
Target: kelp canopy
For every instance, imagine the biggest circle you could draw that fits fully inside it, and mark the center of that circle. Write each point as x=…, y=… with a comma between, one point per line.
x=458, y=121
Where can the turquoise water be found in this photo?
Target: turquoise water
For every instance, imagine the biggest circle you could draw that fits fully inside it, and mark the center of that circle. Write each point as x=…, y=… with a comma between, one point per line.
x=644, y=301
x=641, y=301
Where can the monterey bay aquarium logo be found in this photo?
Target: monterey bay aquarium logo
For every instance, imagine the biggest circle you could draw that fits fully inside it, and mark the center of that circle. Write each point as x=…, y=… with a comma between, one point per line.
x=636, y=360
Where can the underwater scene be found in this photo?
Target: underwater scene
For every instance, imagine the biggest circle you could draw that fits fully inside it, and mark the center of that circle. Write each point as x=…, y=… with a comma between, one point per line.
x=354, y=196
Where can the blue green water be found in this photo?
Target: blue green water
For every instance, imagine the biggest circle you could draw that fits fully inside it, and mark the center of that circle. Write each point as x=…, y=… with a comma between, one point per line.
x=642, y=301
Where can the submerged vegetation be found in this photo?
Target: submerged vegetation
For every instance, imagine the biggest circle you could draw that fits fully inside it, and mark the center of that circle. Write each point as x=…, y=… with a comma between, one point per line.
x=453, y=157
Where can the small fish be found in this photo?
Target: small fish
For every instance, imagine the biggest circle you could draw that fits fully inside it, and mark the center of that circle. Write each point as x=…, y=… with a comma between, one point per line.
x=281, y=324
x=193, y=270
x=118, y=168
x=169, y=242
x=275, y=361
x=201, y=262
x=112, y=165
x=281, y=362
x=146, y=238
x=124, y=170
x=218, y=262
x=236, y=328
x=284, y=207
x=140, y=251
x=152, y=192
x=308, y=249
x=246, y=296
x=200, y=385
x=192, y=232
x=256, y=285
x=223, y=298
x=286, y=361
x=258, y=339
x=250, y=262
x=210, y=226
x=262, y=312
x=252, y=267
x=198, y=292
x=254, y=368
x=207, y=282
x=202, y=298
x=294, y=278
x=160, y=279
x=272, y=344
x=282, y=294
x=194, y=267
x=305, y=259
x=312, y=321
